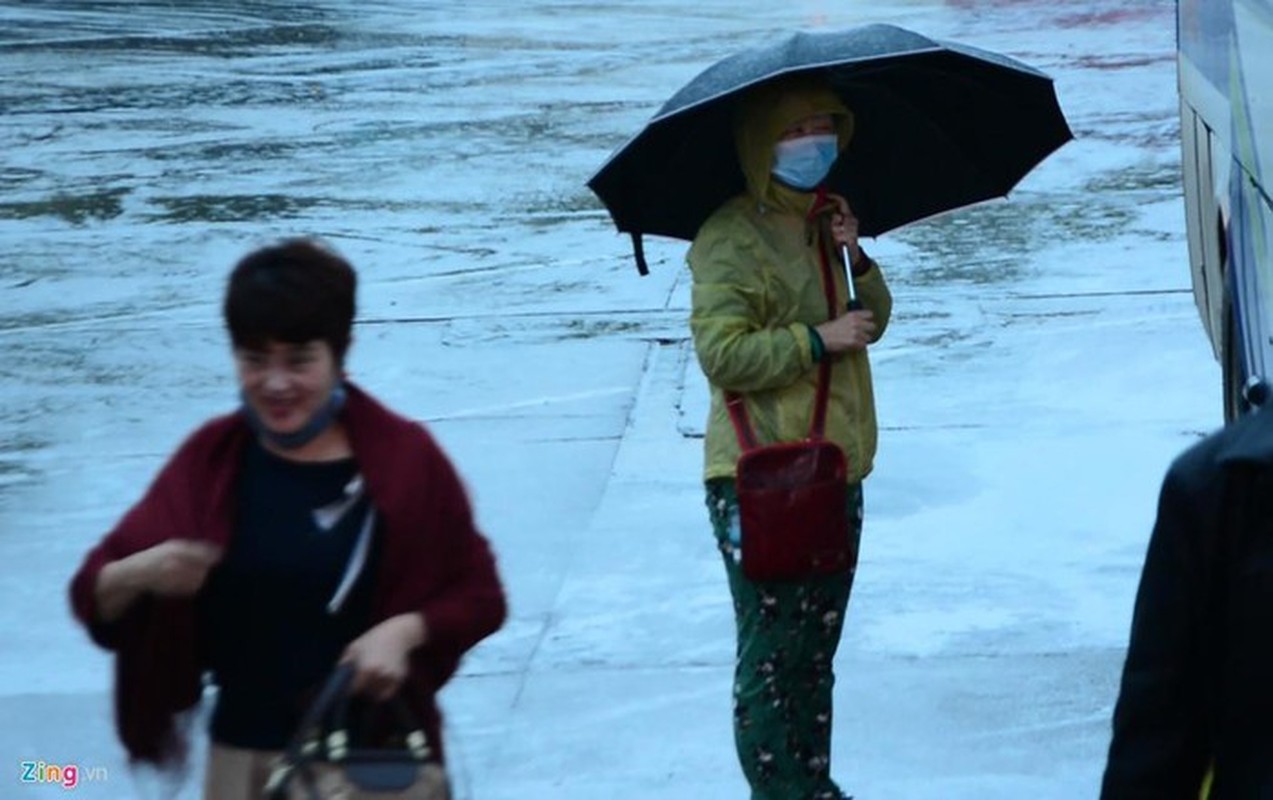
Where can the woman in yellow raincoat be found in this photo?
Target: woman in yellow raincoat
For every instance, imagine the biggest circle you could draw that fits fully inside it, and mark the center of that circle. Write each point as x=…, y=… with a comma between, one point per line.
x=761, y=330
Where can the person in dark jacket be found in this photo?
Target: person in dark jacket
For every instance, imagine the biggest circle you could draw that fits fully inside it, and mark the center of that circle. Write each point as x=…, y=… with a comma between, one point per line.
x=1194, y=717
x=311, y=527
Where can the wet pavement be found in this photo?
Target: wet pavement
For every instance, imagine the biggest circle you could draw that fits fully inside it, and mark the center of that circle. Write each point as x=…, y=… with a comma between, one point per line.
x=1044, y=363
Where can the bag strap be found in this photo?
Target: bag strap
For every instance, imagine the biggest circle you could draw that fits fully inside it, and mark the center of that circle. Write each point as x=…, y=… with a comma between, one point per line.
x=734, y=402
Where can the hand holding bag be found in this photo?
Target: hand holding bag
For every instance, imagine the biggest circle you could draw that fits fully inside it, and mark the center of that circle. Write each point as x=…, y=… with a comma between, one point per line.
x=320, y=764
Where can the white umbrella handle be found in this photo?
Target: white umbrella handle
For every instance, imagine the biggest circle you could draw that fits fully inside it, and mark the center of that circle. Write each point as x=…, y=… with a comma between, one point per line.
x=853, y=304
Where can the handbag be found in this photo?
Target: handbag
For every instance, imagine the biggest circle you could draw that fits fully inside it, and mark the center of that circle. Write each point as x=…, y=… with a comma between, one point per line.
x=320, y=763
x=792, y=496
x=792, y=503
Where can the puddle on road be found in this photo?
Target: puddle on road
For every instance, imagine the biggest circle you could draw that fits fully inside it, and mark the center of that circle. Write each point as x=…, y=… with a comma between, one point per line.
x=67, y=361
x=991, y=243
x=594, y=329
x=231, y=208
x=1163, y=177
x=223, y=43
x=73, y=208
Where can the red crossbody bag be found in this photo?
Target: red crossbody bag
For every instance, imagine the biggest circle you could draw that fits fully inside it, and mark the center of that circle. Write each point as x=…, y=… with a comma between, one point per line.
x=792, y=496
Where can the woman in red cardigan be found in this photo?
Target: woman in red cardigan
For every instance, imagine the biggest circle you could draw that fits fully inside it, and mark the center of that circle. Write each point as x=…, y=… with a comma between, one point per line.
x=311, y=527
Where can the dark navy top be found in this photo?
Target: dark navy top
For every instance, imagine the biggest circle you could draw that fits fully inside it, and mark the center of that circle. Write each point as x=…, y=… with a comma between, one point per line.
x=271, y=638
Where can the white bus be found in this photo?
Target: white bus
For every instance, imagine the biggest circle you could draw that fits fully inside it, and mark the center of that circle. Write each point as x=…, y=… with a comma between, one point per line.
x=1226, y=114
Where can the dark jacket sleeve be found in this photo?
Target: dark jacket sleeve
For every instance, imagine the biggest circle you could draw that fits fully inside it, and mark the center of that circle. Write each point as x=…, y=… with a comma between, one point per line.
x=138, y=529
x=468, y=604
x=1158, y=750
x=157, y=669
x=472, y=605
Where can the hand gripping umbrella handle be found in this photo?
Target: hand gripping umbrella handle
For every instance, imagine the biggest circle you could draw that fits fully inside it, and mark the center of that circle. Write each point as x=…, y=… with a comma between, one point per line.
x=854, y=304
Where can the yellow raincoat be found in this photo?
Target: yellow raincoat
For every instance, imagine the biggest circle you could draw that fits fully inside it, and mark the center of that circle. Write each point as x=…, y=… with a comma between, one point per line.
x=758, y=288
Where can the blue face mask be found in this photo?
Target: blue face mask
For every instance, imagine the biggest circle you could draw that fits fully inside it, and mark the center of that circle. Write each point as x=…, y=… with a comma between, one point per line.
x=803, y=163
x=308, y=432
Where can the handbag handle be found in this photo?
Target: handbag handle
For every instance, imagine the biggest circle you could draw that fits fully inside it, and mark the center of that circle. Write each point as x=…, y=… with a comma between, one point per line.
x=323, y=735
x=305, y=744
x=734, y=402
x=415, y=738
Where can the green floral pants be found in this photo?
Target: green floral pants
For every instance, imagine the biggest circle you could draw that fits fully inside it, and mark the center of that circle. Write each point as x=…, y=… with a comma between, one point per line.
x=787, y=637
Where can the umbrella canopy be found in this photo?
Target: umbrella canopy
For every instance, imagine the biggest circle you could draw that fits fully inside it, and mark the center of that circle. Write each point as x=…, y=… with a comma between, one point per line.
x=938, y=126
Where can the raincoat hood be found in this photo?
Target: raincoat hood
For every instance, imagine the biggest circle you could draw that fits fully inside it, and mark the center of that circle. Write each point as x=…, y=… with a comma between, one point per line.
x=763, y=114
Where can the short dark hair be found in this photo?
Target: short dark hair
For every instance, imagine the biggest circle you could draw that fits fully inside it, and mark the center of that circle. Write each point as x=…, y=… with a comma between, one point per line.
x=294, y=291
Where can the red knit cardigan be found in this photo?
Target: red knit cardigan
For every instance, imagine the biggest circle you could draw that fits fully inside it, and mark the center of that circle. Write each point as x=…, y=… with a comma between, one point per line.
x=433, y=561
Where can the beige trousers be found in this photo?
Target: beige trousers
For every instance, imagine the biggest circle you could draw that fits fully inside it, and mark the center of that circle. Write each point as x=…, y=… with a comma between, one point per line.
x=237, y=774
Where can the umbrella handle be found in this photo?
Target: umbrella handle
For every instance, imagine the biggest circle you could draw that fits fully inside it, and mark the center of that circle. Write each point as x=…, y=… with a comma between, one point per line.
x=854, y=303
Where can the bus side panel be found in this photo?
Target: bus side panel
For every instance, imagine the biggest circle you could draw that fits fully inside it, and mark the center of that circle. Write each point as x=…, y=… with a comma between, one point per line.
x=1252, y=231
x=1249, y=90
x=1252, y=236
x=1201, y=213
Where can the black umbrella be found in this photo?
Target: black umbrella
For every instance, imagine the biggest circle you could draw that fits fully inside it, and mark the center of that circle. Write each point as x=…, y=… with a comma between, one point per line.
x=938, y=126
